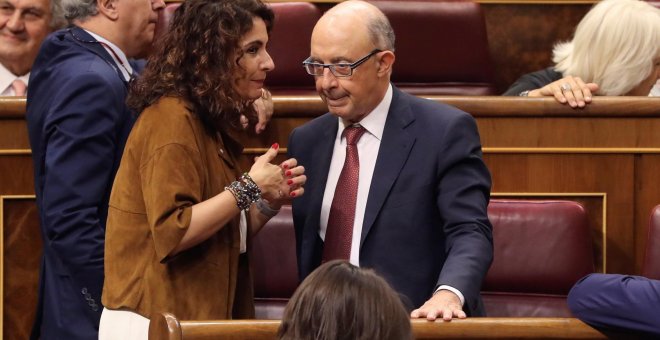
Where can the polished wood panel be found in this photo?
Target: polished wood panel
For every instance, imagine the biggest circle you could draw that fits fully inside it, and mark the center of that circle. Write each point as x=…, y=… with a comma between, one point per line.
x=167, y=327
x=19, y=265
x=605, y=156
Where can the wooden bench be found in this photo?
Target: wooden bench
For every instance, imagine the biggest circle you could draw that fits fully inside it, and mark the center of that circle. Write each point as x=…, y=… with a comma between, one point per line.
x=166, y=326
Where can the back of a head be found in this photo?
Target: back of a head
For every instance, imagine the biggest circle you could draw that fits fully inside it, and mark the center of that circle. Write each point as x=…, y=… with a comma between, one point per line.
x=341, y=301
x=614, y=46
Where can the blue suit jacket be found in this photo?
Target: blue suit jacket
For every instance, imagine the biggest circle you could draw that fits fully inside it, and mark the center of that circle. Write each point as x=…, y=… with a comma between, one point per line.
x=426, y=220
x=78, y=124
x=621, y=302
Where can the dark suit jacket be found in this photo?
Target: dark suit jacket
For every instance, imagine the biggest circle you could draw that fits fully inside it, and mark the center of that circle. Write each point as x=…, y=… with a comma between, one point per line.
x=425, y=222
x=78, y=124
x=621, y=302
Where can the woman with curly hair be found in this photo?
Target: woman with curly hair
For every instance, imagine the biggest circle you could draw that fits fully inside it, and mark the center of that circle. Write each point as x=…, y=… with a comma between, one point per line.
x=181, y=212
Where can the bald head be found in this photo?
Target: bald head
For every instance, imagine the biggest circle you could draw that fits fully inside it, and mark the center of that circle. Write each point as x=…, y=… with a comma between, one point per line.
x=359, y=16
x=353, y=34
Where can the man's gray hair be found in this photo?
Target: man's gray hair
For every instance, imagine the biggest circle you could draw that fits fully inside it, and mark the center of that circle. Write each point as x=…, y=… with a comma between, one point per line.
x=78, y=10
x=57, y=19
x=381, y=33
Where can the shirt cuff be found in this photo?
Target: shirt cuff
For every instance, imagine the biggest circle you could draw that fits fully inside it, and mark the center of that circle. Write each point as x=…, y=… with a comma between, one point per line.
x=453, y=290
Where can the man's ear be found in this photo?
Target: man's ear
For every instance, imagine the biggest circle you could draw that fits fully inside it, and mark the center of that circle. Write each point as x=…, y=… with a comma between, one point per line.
x=385, y=63
x=108, y=8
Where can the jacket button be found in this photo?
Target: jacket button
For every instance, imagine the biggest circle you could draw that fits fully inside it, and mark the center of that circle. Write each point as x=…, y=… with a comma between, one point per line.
x=84, y=291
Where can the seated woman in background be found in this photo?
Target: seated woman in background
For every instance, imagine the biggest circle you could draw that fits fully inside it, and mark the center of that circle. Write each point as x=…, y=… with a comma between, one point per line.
x=179, y=219
x=341, y=301
x=615, y=52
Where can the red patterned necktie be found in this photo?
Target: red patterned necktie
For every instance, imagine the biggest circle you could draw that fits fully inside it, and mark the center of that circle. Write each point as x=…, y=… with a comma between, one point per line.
x=339, y=232
x=19, y=87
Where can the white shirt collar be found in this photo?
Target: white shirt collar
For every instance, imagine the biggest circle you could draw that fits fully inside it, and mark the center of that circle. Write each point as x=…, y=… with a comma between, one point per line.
x=6, y=78
x=374, y=122
x=126, y=71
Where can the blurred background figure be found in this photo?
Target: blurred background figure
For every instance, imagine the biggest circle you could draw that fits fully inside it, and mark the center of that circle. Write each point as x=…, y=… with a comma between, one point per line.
x=339, y=301
x=24, y=24
x=615, y=52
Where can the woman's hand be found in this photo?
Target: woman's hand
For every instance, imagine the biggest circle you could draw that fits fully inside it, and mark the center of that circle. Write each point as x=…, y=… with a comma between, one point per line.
x=264, y=108
x=294, y=179
x=268, y=177
x=571, y=90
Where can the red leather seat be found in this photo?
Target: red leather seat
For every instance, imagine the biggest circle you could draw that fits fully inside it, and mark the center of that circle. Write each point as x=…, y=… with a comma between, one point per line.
x=541, y=249
x=274, y=265
x=289, y=45
x=651, y=266
x=164, y=18
x=441, y=47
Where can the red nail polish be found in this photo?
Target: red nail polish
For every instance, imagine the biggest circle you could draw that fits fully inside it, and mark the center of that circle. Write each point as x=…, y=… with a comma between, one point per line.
x=289, y=182
x=275, y=146
x=288, y=173
x=293, y=194
x=285, y=166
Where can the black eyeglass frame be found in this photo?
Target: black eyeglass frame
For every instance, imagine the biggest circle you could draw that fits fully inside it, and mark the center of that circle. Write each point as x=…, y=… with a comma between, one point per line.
x=351, y=66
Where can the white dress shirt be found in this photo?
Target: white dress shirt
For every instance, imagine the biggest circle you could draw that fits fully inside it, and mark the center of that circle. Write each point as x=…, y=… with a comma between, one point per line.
x=122, y=63
x=368, y=146
x=7, y=78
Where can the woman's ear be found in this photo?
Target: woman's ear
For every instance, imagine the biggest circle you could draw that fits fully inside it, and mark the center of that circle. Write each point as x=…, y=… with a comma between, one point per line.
x=385, y=62
x=108, y=8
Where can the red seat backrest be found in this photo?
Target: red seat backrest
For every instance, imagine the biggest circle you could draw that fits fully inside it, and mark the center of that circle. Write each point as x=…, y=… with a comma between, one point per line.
x=441, y=47
x=541, y=249
x=651, y=266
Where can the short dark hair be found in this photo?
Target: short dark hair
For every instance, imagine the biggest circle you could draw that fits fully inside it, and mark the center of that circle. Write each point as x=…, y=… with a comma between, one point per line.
x=341, y=301
x=197, y=59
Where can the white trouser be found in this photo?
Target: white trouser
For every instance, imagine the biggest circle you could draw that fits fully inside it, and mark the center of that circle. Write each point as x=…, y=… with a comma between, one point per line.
x=124, y=325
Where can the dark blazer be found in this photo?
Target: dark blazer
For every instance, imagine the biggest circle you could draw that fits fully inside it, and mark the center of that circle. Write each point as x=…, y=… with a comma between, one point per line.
x=621, y=302
x=425, y=222
x=78, y=124
x=533, y=81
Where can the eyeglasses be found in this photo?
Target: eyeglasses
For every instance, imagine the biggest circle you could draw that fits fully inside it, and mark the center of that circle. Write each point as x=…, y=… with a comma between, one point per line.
x=338, y=70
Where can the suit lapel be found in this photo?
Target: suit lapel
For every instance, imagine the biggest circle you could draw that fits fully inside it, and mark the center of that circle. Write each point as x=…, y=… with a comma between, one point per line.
x=394, y=149
x=318, y=178
x=82, y=38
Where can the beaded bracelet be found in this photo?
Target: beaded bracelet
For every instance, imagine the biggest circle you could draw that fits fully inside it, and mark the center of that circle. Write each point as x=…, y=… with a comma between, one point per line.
x=245, y=190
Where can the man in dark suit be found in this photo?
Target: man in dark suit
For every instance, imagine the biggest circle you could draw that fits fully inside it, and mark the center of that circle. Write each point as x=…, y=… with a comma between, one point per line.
x=409, y=197
x=620, y=302
x=78, y=125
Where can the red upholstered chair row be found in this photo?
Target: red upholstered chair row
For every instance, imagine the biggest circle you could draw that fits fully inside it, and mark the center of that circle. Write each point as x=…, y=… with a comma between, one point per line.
x=651, y=266
x=541, y=249
x=441, y=47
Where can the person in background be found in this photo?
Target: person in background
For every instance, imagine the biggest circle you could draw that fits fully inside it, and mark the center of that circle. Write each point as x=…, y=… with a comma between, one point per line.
x=615, y=52
x=620, y=302
x=181, y=210
x=24, y=24
x=339, y=301
x=397, y=182
x=78, y=123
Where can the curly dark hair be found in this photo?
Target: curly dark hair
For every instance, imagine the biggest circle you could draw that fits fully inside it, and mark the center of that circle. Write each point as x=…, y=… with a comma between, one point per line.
x=197, y=59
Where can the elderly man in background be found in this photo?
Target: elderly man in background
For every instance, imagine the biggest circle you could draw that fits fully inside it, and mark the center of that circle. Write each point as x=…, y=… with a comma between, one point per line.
x=24, y=24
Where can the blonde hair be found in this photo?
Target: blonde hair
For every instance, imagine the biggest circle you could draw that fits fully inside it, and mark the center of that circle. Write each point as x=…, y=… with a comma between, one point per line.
x=614, y=46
